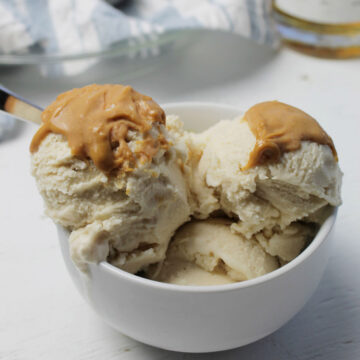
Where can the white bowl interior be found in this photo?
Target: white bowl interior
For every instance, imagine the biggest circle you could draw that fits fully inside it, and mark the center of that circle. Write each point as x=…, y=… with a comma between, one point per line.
x=198, y=117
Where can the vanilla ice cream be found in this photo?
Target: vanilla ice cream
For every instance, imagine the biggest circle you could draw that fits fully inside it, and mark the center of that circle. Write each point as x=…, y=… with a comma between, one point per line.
x=276, y=184
x=117, y=185
x=238, y=201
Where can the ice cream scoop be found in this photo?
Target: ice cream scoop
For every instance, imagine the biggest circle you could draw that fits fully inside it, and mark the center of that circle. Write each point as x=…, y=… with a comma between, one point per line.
x=19, y=107
x=231, y=172
x=107, y=171
x=210, y=245
x=122, y=179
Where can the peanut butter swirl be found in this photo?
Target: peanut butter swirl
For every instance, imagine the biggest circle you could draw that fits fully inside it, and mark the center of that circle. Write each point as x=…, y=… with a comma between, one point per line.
x=96, y=121
x=280, y=128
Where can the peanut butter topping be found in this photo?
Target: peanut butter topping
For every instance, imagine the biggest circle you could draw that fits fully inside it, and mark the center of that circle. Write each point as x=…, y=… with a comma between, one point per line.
x=280, y=128
x=96, y=121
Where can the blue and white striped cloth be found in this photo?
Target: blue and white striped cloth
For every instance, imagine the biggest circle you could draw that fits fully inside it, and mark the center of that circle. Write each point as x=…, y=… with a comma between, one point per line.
x=69, y=27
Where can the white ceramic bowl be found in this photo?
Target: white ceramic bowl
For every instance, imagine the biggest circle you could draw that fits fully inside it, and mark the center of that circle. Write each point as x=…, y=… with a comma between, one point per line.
x=207, y=318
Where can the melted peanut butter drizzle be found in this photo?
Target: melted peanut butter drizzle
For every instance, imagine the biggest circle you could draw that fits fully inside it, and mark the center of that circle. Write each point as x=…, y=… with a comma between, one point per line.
x=96, y=120
x=280, y=128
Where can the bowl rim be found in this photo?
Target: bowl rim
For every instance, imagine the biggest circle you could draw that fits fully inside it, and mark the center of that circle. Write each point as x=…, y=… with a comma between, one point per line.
x=319, y=238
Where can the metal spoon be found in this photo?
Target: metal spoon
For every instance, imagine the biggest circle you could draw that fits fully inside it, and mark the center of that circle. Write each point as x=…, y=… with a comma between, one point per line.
x=19, y=107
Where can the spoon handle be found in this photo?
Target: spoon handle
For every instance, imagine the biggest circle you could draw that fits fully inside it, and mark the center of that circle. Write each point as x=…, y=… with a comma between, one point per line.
x=19, y=107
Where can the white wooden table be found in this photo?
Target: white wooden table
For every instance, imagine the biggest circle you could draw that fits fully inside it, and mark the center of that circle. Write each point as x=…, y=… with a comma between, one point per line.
x=42, y=316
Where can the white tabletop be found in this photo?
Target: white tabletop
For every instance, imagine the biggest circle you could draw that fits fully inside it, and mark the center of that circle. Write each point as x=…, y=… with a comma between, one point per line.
x=41, y=314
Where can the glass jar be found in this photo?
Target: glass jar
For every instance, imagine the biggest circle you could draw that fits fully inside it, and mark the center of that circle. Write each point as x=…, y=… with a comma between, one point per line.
x=324, y=28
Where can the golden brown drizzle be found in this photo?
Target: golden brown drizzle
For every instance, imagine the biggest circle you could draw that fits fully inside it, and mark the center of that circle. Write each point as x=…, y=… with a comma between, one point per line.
x=280, y=128
x=96, y=120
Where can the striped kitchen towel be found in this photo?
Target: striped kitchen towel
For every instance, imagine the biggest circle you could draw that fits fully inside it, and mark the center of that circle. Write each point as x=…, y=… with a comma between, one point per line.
x=70, y=27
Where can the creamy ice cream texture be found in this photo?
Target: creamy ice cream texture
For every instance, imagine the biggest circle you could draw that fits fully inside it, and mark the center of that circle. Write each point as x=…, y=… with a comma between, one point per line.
x=296, y=184
x=106, y=171
x=123, y=180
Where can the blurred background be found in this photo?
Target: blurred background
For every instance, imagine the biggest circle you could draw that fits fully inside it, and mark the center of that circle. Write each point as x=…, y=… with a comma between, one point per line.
x=170, y=49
